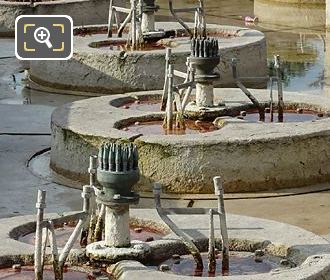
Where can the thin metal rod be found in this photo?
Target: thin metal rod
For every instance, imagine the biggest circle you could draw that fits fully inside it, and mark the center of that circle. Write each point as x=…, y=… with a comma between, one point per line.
x=190, y=88
x=173, y=12
x=58, y=273
x=202, y=17
x=44, y=246
x=260, y=107
x=196, y=25
x=123, y=25
x=133, y=24
x=218, y=190
x=86, y=195
x=271, y=106
x=40, y=205
x=169, y=106
x=189, y=244
x=92, y=170
x=69, y=244
x=167, y=62
x=211, y=254
x=99, y=224
x=280, y=105
x=110, y=19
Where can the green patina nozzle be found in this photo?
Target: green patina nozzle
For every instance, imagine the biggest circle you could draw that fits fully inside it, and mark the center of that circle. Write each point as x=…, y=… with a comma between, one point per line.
x=118, y=169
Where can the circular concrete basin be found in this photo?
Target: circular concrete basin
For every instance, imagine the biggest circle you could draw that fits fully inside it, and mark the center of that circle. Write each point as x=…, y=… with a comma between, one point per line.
x=303, y=249
x=95, y=70
x=250, y=157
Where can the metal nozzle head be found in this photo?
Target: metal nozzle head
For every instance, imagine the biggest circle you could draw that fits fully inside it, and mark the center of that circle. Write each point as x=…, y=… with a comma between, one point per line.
x=117, y=157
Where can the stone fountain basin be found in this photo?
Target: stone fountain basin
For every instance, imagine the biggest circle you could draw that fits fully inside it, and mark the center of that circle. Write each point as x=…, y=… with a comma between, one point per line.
x=250, y=157
x=308, y=251
x=98, y=71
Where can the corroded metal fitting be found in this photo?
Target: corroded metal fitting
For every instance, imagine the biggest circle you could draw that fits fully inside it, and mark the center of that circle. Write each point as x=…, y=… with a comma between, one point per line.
x=118, y=172
x=208, y=47
x=118, y=157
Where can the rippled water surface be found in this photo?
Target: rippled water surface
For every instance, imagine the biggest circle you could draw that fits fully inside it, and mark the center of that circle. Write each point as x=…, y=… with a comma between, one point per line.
x=296, y=33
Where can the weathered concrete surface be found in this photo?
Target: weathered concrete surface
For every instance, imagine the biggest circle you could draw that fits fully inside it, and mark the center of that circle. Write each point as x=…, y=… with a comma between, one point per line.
x=312, y=269
x=79, y=10
x=95, y=71
x=249, y=156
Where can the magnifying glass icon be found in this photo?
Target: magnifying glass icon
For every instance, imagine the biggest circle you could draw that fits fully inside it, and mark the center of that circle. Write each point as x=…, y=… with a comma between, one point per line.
x=41, y=35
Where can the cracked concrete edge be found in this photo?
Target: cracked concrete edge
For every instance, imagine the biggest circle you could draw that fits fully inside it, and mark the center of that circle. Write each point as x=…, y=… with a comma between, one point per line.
x=311, y=269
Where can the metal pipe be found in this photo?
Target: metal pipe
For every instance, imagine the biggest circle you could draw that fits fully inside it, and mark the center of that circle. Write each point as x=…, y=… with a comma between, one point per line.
x=189, y=90
x=172, y=10
x=69, y=244
x=202, y=16
x=211, y=253
x=58, y=273
x=280, y=105
x=86, y=195
x=260, y=107
x=271, y=107
x=40, y=205
x=92, y=170
x=133, y=24
x=189, y=244
x=169, y=106
x=99, y=224
x=44, y=246
x=167, y=62
x=123, y=25
x=219, y=192
x=110, y=19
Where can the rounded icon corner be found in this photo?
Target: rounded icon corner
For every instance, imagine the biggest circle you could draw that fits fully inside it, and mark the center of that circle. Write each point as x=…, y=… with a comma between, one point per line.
x=18, y=56
x=69, y=56
x=69, y=18
x=18, y=18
